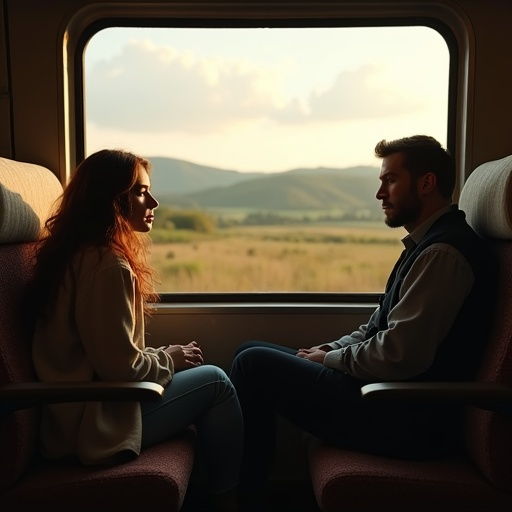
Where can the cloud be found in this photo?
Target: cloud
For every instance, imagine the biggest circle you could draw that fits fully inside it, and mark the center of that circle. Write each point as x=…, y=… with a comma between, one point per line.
x=154, y=89
x=357, y=94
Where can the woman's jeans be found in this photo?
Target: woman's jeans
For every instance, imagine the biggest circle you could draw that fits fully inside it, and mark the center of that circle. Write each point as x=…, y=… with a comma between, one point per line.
x=202, y=396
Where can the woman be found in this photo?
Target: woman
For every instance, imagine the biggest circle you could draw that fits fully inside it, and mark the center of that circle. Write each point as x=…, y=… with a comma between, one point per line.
x=93, y=287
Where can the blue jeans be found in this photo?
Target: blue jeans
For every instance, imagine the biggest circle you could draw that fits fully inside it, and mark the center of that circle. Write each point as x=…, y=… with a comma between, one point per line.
x=270, y=379
x=202, y=396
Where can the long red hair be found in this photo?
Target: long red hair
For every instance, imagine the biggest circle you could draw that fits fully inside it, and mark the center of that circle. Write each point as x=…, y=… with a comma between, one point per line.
x=93, y=211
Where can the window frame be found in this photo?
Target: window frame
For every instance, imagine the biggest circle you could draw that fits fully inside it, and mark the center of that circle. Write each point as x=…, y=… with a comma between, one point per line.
x=247, y=16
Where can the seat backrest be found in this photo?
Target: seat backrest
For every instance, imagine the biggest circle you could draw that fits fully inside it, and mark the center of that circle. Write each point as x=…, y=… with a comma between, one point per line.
x=487, y=200
x=27, y=194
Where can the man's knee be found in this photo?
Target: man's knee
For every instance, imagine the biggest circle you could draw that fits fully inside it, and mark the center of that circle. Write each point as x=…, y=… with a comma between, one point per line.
x=244, y=346
x=253, y=363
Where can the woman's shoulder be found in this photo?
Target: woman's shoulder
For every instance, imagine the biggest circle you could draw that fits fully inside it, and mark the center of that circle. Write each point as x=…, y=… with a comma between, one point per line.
x=100, y=258
x=101, y=270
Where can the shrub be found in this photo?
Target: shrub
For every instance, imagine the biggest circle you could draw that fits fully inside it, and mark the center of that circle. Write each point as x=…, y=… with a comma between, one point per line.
x=193, y=220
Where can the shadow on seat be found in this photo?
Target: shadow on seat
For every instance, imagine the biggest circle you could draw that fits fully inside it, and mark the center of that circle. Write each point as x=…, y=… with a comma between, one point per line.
x=480, y=478
x=156, y=480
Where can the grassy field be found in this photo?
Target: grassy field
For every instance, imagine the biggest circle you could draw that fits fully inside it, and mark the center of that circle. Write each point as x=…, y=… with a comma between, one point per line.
x=310, y=258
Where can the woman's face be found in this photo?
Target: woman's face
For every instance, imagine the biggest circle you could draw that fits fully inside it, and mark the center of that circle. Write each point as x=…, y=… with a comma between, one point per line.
x=142, y=203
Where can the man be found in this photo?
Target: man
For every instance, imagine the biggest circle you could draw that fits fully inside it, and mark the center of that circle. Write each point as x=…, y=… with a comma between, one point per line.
x=430, y=325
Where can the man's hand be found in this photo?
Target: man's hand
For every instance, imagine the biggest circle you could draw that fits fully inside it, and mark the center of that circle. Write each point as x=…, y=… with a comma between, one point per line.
x=315, y=354
x=185, y=356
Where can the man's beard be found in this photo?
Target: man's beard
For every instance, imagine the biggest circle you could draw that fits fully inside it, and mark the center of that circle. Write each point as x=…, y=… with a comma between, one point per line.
x=405, y=213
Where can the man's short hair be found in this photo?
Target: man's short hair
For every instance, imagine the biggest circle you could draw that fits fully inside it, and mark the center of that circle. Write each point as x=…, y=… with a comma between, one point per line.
x=423, y=154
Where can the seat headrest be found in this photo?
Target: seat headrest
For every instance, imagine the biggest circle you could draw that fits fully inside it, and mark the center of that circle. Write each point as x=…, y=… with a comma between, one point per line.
x=28, y=193
x=486, y=198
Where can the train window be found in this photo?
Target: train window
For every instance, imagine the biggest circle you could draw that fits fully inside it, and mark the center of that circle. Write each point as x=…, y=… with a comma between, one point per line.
x=261, y=141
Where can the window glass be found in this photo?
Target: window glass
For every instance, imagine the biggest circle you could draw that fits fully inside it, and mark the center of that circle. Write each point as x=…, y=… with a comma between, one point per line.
x=261, y=141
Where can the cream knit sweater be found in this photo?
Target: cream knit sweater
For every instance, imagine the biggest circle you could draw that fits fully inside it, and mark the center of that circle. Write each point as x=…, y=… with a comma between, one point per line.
x=96, y=332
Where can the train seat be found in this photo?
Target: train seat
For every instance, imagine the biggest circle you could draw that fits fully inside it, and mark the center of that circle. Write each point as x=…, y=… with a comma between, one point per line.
x=479, y=479
x=156, y=480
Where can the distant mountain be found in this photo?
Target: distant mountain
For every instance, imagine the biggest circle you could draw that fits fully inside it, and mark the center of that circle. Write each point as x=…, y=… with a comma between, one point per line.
x=185, y=184
x=170, y=175
x=353, y=172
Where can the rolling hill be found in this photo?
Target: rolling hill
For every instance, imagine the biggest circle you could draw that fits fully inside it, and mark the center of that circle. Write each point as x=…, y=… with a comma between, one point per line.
x=170, y=175
x=180, y=183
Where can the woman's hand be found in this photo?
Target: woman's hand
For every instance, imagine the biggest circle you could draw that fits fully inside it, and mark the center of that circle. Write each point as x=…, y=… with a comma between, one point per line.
x=185, y=356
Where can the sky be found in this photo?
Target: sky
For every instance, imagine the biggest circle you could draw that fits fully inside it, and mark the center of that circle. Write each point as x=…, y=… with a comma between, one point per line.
x=264, y=99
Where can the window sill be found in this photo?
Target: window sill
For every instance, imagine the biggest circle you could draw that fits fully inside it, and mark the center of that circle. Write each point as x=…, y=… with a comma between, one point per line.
x=265, y=303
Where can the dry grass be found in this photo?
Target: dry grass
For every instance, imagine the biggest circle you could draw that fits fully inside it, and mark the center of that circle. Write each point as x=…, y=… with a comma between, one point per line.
x=279, y=259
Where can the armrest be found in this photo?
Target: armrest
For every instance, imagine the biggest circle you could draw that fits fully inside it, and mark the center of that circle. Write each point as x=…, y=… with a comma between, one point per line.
x=484, y=395
x=28, y=394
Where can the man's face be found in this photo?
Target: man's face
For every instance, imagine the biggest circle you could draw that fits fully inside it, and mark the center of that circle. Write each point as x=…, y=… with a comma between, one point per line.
x=398, y=193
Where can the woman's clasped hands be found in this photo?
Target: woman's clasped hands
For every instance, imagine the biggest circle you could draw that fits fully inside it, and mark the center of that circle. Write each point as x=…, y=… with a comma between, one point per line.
x=185, y=356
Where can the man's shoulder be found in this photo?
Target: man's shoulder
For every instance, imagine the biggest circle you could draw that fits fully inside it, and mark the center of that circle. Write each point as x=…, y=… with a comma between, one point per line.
x=453, y=227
